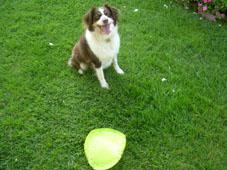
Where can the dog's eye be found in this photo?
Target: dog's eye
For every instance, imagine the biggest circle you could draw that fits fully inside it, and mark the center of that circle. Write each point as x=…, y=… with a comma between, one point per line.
x=106, y=13
x=97, y=16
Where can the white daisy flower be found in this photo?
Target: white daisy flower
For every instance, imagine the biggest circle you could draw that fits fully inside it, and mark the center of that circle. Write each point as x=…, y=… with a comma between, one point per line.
x=164, y=79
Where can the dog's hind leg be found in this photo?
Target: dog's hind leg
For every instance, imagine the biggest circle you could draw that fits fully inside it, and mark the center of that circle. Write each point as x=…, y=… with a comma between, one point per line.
x=75, y=62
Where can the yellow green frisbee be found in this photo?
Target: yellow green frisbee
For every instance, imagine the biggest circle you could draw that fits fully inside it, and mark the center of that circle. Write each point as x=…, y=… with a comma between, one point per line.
x=104, y=148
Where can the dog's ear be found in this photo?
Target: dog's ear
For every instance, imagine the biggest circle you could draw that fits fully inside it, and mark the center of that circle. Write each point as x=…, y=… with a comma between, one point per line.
x=89, y=18
x=114, y=11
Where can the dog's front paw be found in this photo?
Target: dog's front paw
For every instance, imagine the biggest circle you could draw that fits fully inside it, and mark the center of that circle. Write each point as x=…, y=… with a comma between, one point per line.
x=105, y=85
x=120, y=71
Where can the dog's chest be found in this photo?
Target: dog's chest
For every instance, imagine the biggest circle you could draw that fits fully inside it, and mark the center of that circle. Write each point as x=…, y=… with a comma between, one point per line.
x=105, y=50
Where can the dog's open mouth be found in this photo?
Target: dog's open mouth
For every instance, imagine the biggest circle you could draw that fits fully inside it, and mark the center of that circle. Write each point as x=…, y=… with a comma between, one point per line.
x=105, y=28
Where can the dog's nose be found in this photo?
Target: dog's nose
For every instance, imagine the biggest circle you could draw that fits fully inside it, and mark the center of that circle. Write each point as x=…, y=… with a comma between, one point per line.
x=105, y=21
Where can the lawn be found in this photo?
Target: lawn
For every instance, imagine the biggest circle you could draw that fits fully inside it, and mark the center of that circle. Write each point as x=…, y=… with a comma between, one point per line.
x=47, y=109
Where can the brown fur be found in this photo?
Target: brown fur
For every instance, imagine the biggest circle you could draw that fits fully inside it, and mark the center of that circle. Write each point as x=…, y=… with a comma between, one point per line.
x=89, y=18
x=114, y=13
x=82, y=54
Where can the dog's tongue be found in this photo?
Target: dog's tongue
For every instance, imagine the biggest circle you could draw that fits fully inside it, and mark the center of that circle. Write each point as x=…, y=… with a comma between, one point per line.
x=106, y=29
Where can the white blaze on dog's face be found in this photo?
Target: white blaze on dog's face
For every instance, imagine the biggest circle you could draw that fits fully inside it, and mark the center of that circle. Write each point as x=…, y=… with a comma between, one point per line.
x=104, y=22
x=101, y=20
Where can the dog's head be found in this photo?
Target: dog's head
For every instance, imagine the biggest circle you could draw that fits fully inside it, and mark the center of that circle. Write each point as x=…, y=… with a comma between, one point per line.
x=102, y=19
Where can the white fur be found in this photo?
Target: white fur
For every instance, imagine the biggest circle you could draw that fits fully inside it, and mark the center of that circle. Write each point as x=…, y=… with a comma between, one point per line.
x=116, y=66
x=70, y=62
x=103, y=17
x=83, y=66
x=80, y=71
x=105, y=47
x=100, y=75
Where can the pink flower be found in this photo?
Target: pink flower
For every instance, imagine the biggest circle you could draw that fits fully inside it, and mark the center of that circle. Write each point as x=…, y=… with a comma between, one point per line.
x=205, y=1
x=223, y=15
x=200, y=4
x=205, y=8
x=209, y=1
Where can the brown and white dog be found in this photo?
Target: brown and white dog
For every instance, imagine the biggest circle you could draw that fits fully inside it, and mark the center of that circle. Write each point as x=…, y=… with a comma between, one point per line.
x=98, y=47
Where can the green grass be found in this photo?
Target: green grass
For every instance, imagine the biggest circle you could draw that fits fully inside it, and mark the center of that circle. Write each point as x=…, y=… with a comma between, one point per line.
x=47, y=109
